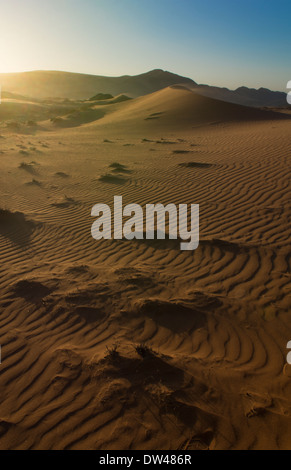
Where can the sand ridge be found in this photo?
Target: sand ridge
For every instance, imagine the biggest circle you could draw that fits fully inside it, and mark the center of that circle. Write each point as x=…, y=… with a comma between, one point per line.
x=136, y=344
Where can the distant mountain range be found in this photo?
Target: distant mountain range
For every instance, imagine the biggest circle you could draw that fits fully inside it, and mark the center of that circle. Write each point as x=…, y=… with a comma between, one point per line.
x=245, y=96
x=75, y=86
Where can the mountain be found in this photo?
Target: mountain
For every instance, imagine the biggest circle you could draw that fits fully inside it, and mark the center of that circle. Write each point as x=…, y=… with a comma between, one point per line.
x=51, y=84
x=245, y=96
x=76, y=86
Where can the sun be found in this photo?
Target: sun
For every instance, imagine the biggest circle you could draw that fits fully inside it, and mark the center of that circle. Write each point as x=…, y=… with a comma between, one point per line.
x=13, y=59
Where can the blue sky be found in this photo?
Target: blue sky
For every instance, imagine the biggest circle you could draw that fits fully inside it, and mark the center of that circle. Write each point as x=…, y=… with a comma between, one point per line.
x=219, y=42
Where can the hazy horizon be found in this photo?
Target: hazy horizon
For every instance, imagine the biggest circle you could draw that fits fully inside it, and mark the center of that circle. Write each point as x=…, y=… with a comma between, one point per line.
x=214, y=44
x=142, y=73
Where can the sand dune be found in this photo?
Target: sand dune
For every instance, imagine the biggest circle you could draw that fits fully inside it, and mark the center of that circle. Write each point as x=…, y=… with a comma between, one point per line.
x=177, y=106
x=170, y=108
x=136, y=344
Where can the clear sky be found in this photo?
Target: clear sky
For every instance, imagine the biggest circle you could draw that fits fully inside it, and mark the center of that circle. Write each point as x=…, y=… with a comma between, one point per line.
x=219, y=42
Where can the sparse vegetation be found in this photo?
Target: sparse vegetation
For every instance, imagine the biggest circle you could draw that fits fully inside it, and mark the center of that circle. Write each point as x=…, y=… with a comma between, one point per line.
x=143, y=350
x=61, y=174
x=195, y=165
x=101, y=96
x=119, y=168
x=114, y=179
x=65, y=202
x=27, y=167
x=57, y=120
x=112, y=352
x=14, y=125
x=34, y=182
x=116, y=165
x=163, y=141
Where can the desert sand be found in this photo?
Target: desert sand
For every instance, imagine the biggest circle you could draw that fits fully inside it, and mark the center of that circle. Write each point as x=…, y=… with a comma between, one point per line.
x=136, y=344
